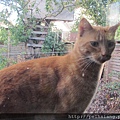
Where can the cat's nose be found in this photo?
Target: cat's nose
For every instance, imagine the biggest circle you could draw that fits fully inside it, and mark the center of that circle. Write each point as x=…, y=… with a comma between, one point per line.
x=105, y=57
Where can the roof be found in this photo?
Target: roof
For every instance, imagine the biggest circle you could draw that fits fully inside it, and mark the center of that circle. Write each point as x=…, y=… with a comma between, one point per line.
x=41, y=12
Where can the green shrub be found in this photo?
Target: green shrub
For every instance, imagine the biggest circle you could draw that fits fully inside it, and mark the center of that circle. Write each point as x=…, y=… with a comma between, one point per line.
x=117, y=35
x=3, y=59
x=53, y=43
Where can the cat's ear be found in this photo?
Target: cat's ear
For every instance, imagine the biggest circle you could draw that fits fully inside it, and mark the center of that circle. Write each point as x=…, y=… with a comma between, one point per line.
x=113, y=29
x=84, y=25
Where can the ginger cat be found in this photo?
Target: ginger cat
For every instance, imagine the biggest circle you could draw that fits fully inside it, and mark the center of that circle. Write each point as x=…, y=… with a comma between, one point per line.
x=58, y=84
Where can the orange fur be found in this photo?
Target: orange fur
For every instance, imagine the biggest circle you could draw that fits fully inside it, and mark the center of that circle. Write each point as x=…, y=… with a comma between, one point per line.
x=58, y=84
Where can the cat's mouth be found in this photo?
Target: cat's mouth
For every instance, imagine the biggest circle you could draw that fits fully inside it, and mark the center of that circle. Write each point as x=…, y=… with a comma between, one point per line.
x=101, y=59
x=104, y=58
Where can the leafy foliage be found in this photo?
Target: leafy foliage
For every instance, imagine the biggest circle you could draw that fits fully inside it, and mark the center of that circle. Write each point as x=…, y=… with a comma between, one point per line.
x=113, y=86
x=95, y=10
x=53, y=43
x=3, y=60
x=19, y=33
x=117, y=36
x=3, y=35
x=55, y=7
x=75, y=25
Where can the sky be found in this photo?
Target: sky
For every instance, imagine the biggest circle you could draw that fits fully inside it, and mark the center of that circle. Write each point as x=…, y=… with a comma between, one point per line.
x=13, y=19
x=13, y=16
x=1, y=7
x=59, y=24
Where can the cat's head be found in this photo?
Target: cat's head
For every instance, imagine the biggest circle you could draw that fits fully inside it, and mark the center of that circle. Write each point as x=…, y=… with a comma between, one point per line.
x=94, y=42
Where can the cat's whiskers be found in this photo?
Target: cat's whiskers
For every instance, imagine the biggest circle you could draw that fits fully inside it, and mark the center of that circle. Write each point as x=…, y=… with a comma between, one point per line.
x=86, y=61
x=84, y=68
x=81, y=59
x=87, y=65
x=81, y=64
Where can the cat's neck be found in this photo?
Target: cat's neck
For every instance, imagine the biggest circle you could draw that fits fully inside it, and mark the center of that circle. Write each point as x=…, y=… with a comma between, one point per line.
x=79, y=58
x=83, y=65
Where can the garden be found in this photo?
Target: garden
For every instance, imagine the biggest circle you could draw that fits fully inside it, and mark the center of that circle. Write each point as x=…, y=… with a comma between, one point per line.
x=107, y=98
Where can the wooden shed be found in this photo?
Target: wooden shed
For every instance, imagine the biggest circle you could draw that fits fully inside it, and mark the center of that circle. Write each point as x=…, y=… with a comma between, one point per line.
x=36, y=9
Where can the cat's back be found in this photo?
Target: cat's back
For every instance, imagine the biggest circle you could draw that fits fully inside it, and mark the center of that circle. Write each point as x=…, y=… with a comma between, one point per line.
x=27, y=85
x=32, y=70
x=34, y=65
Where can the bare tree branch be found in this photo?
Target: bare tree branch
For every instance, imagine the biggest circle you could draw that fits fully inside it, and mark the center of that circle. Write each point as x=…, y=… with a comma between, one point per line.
x=20, y=16
x=56, y=13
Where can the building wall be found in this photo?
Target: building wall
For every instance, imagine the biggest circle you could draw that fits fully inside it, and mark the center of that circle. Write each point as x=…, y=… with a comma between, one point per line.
x=113, y=66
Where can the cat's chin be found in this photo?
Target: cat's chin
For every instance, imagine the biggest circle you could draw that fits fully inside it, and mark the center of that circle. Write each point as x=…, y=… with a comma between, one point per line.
x=97, y=62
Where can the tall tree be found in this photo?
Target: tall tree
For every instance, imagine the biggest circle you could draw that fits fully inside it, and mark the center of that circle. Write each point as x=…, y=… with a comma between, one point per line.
x=19, y=31
x=94, y=9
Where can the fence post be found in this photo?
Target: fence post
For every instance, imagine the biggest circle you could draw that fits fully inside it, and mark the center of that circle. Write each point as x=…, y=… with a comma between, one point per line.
x=8, y=43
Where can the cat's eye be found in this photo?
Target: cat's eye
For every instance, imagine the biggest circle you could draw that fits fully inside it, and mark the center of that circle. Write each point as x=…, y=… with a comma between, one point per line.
x=111, y=44
x=94, y=43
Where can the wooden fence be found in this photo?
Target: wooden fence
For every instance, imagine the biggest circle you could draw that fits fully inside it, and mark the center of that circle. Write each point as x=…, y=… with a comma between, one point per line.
x=113, y=66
